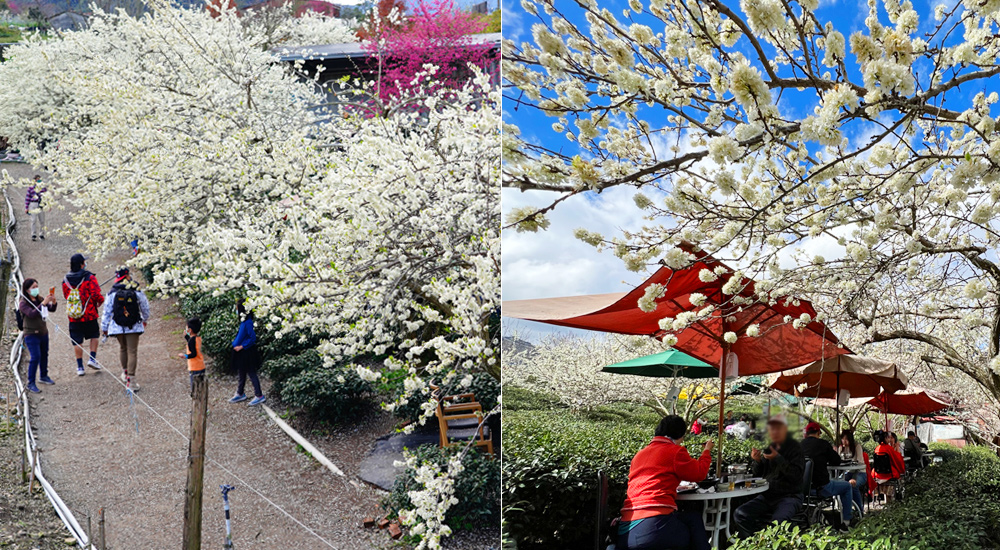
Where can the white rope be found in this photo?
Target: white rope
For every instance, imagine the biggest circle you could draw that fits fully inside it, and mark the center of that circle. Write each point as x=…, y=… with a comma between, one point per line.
x=156, y=413
x=30, y=444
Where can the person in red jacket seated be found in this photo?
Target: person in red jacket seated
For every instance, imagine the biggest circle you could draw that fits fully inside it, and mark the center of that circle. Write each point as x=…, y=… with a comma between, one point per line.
x=896, y=459
x=650, y=519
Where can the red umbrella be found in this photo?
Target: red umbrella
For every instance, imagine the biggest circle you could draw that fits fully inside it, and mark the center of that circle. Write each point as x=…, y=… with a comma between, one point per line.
x=772, y=334
x=911, y=402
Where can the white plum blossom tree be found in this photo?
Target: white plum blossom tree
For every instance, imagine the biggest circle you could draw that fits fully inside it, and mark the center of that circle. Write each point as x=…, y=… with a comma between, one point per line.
x=569, y=368
x=375, y=224
x=878, y=203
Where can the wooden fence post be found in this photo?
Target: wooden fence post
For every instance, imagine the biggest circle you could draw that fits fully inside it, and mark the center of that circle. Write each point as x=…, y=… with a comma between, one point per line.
x=196, y=465
x=100, y=530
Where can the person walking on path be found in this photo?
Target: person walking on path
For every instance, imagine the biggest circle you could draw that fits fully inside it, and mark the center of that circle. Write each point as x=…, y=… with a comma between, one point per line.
x=83, y=297
x=33, y=208
x=126, y=313
x=33, y=310
x=246, y=358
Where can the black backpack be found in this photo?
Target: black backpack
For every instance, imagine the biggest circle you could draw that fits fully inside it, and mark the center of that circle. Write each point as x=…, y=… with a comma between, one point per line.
x=125, y=309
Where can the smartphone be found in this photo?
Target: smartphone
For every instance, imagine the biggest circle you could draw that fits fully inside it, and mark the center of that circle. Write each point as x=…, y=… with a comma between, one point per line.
x=52, y=291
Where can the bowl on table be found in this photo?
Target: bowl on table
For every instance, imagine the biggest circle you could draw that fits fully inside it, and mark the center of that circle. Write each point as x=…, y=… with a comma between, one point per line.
x=707, y=482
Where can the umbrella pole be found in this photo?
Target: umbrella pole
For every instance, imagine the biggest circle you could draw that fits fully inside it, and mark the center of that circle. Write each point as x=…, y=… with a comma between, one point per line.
x=837, y=434
x=722, y=406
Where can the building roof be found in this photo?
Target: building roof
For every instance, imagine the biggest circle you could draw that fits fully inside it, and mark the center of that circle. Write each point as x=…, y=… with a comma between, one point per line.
x=354, y=50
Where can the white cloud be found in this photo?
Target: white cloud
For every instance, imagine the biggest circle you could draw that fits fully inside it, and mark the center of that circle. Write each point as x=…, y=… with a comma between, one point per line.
x=554, y=263
x=513, y=26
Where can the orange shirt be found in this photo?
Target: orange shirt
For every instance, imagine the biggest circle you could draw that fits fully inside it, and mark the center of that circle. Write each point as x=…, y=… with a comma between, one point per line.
x=196, y=362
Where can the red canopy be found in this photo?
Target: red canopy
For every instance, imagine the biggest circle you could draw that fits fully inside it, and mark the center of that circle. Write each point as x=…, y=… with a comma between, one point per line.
x=780, y=346
x=911, y=401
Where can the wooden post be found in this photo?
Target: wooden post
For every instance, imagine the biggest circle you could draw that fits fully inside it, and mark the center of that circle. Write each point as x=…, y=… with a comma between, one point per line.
x=100, y=530
x=24, y=465
x=196, y=465
x=90, y=533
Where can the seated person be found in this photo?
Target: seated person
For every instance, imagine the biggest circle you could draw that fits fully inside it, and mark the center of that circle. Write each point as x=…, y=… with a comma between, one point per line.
x=822, y=454
x=851, y=451
x=896, y=465
x=894, y=442
x=782, y=465
x=912, y=451
x=650, y=519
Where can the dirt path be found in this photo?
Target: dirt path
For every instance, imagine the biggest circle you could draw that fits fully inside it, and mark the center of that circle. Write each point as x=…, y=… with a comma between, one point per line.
x=99, y=451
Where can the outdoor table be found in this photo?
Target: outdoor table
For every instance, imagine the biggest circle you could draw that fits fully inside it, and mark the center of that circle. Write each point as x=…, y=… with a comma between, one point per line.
x=717, y=507
x=836, y=471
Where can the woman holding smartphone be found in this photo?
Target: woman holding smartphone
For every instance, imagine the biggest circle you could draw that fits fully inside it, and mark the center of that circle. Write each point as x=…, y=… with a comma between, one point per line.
x=34, y=309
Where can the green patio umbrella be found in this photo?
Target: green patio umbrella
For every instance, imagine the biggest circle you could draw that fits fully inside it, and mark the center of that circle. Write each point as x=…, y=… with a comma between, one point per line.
x=667, y=364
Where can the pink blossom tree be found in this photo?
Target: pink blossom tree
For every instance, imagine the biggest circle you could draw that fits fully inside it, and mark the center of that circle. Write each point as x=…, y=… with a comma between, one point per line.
x=437, y=33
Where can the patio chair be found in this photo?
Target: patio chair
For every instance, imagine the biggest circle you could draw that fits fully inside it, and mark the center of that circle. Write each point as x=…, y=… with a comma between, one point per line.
x=463, y=423
x=810, y=514
x=603, y=529
x=889, y=488
x=817, y=508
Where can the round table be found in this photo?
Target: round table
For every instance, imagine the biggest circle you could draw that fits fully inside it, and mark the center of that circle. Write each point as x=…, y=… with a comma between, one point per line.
x=717, y=508
x=835, y=471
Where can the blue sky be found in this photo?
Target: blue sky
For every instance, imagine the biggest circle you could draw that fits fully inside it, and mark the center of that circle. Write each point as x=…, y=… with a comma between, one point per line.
x=553, y=263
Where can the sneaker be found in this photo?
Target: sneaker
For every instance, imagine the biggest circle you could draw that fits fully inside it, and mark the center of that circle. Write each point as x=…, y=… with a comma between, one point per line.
x=124, y=377
x=132, y=385
x=237, y=398
x=257, y=401
x=92, y=363
x=46, y=380
x=80, y=371
x=34, y=238
x=33, y=388
x=42, y=237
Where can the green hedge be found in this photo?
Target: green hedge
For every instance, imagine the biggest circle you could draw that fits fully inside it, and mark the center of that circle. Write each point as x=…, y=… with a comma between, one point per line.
x=551, y=459
x=477, y=487
x=790, y=537
x=954, y=505
x=327, y=393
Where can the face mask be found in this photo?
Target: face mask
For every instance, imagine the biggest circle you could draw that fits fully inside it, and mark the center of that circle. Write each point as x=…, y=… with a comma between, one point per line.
x=33, y=291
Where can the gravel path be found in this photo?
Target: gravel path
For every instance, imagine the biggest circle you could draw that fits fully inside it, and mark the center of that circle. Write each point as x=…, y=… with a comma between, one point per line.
x=100, y=451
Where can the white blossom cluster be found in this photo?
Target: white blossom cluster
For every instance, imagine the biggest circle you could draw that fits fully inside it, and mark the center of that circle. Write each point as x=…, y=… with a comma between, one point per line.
x=377, y=225
x=432, y=501
x=312, y=29
x=905, y=216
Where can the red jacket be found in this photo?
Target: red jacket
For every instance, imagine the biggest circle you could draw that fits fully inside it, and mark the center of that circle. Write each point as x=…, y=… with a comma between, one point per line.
x=90, y=295
x=655, y=473
x=898, y=466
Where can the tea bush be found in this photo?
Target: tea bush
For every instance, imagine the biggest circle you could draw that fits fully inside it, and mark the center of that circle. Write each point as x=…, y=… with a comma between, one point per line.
x=328, y=393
